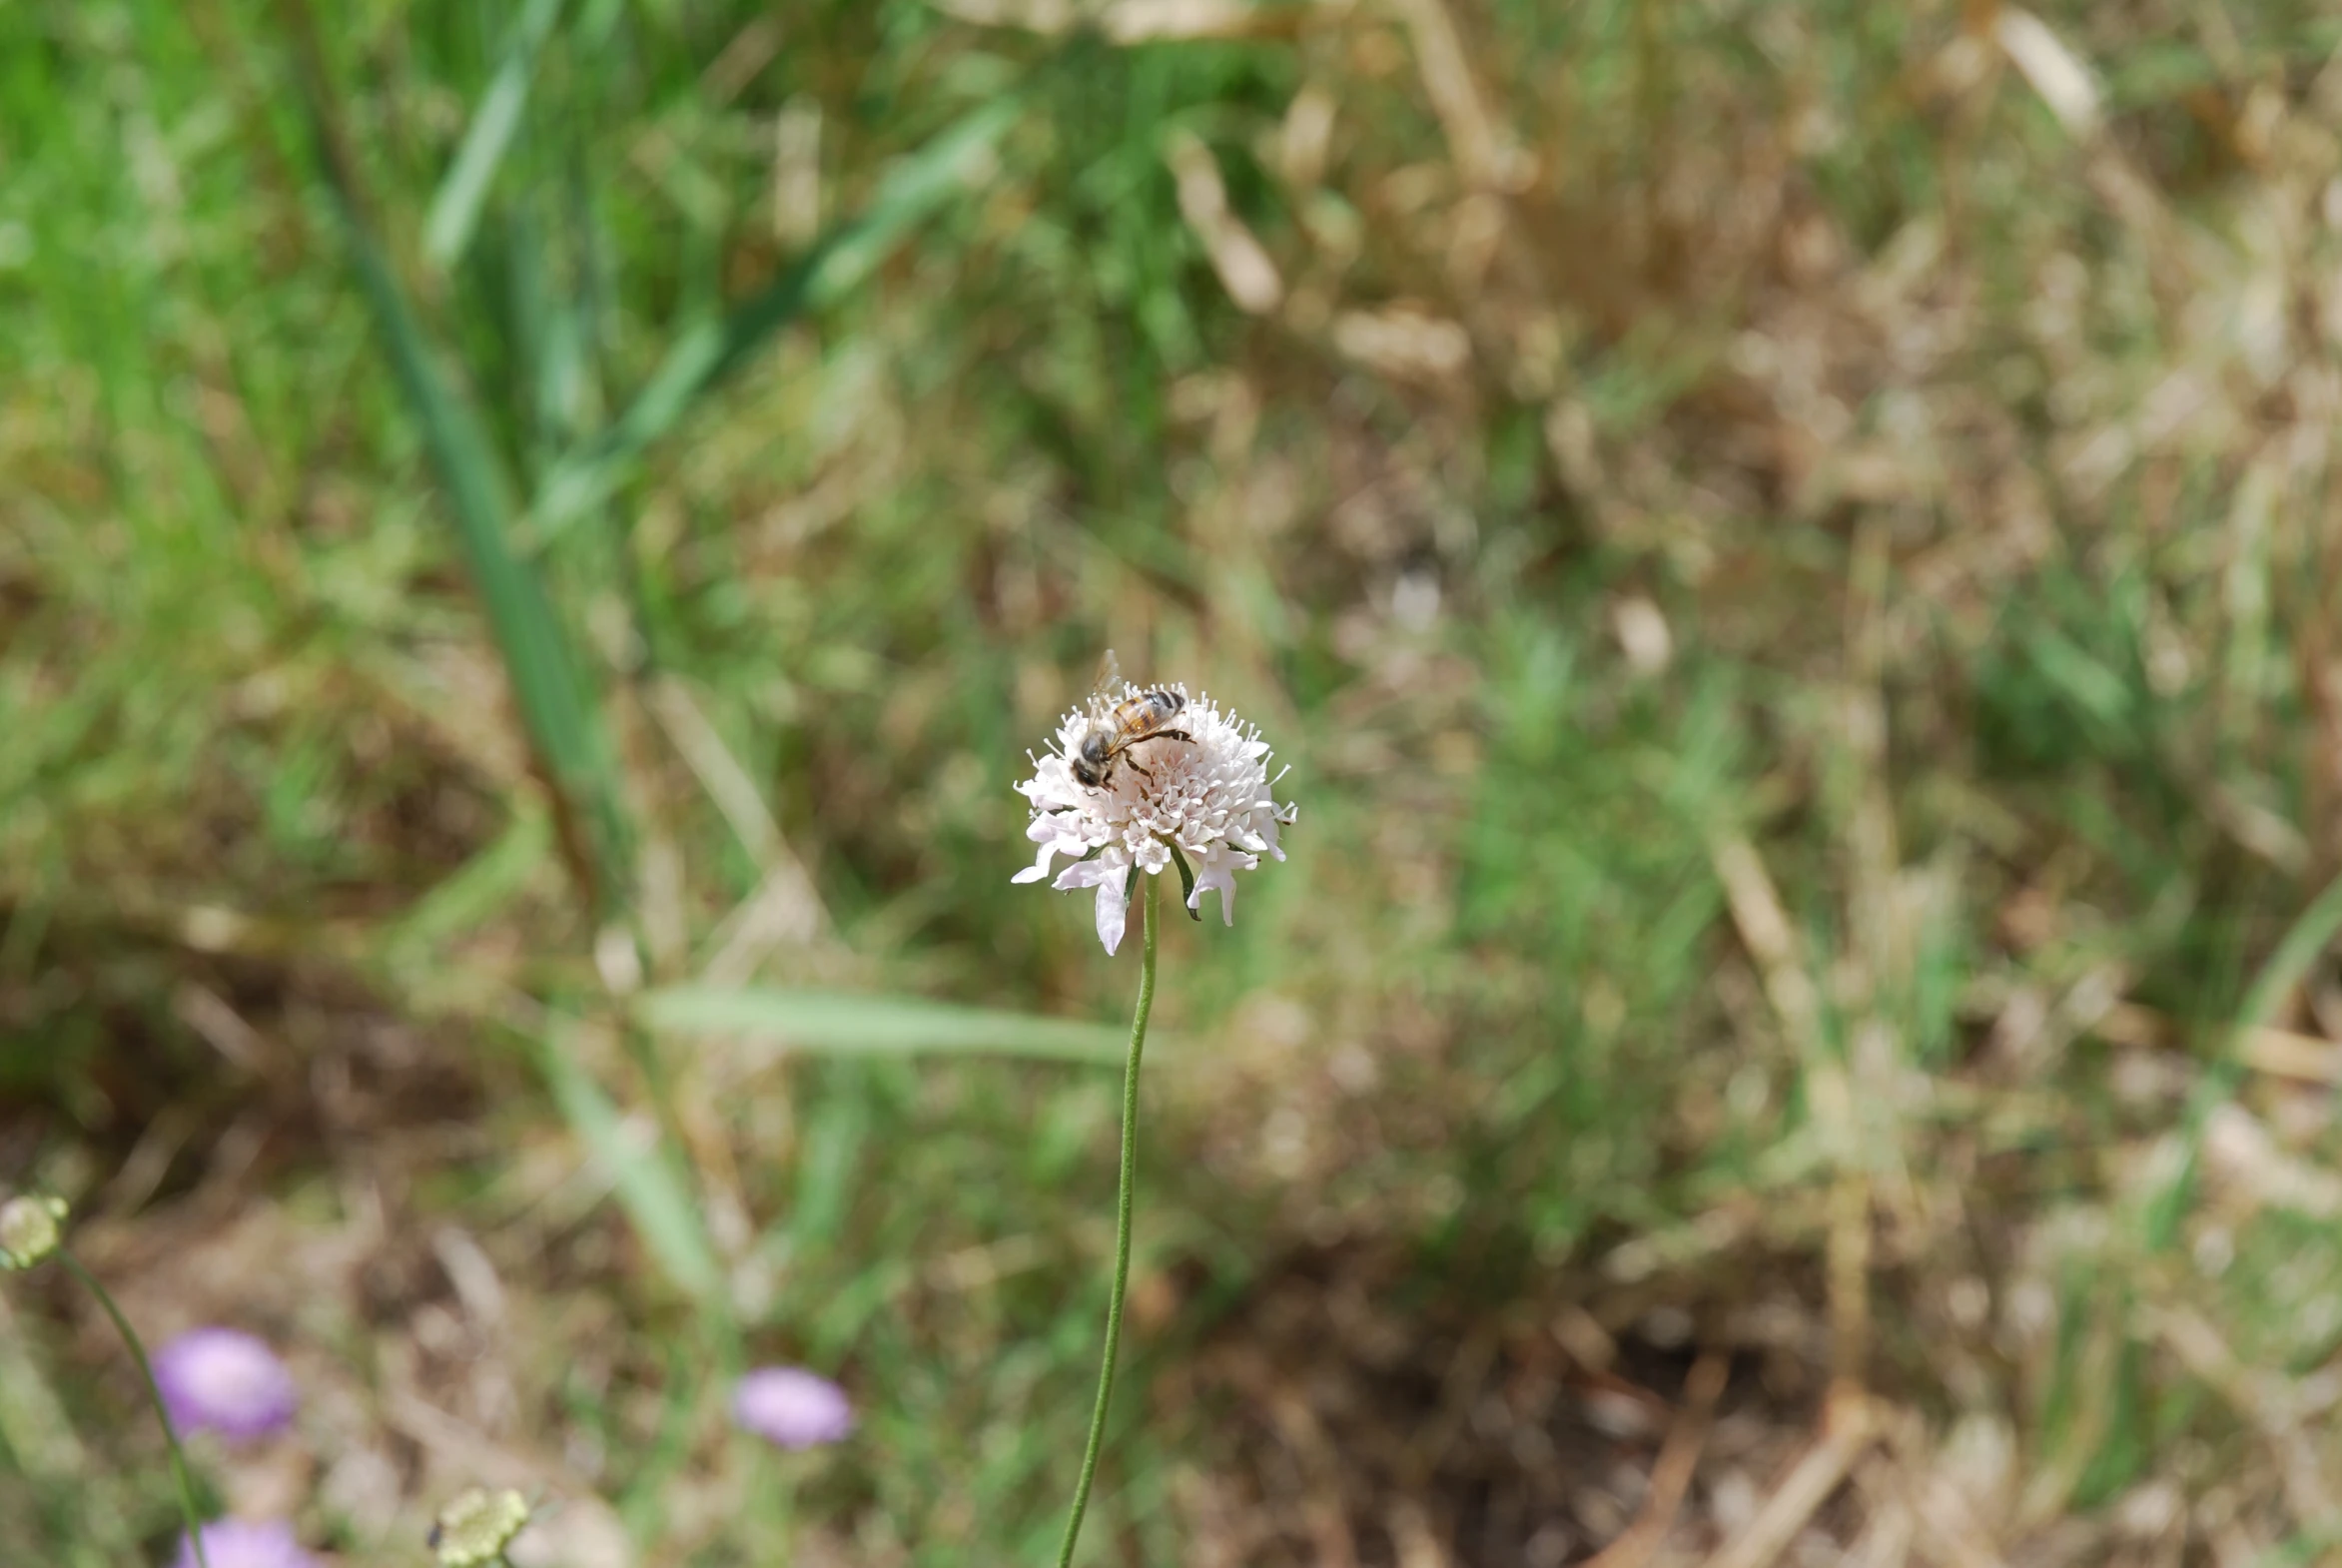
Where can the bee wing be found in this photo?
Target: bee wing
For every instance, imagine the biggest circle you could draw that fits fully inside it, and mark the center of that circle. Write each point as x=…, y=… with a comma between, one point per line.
x=1108, y=687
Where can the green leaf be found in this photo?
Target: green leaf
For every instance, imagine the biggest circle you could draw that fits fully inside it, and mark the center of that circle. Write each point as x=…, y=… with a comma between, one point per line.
x=702, y=356
x=874, y=1026
x=1187, y=897
x=455, y=209
x=653, y=1195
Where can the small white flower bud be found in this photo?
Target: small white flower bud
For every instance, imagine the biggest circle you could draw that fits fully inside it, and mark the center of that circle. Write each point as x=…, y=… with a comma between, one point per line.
x=31, y=1225
x=475, y=1529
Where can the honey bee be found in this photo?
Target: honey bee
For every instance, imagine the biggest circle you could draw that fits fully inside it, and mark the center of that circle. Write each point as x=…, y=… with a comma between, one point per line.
x=1118, y=724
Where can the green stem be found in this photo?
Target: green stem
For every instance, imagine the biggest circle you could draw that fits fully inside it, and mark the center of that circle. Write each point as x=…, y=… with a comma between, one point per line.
x=1121, y=1278
x=146, y=1369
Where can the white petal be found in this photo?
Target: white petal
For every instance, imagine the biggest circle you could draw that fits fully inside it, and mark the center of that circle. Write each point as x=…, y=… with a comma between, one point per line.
x=1089, y=873
x=1267, y=823
x=1040, y=868
x=1223, y=877
x=1114, y=906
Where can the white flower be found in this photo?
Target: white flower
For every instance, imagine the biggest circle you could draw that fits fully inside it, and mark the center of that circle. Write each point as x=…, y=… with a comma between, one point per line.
x=31, y=1226
x=1207, y=794
x=475, y=1529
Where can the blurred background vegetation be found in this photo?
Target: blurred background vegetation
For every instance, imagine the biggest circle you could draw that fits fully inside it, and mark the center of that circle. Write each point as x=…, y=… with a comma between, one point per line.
x=1792, y=549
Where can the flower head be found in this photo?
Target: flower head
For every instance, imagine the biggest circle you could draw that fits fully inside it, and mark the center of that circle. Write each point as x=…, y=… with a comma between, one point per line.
x=1204, y=791
x=31, y=1225
x=791, y=1407
x=225, y=1381
x=246, y=1543
x=473, y=1530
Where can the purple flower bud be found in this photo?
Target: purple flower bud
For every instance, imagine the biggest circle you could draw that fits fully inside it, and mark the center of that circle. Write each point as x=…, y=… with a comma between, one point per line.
x=225, y=1381
x=246, y=1543
x=792, y=1407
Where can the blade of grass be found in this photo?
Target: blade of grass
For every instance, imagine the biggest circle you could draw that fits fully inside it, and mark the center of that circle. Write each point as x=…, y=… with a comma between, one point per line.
x=473, y=894
x=546, y=685
x=2311, y=933
x=703, y=356
x=2304, y=942
x=455, y=209
x=654, y=1197
x=873, y=1026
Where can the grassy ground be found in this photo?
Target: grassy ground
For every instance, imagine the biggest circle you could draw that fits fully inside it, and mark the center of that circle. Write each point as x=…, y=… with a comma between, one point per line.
x=1791, y=548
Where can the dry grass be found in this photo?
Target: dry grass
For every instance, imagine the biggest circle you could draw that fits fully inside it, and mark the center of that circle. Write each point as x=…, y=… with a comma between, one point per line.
x=1792, y=549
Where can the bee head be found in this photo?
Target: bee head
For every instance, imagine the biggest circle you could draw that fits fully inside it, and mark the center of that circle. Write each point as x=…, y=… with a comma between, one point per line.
x=1090, y=761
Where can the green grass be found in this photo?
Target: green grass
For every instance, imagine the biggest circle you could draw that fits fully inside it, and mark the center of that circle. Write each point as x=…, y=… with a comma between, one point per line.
x=514, y=646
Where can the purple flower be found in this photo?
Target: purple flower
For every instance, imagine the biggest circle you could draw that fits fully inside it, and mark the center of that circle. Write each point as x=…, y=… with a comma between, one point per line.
x=225, y=1381
x=245, y=1543
x=792, y=1407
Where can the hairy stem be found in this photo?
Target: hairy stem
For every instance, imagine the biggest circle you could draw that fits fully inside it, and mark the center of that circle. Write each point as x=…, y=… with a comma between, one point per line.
x=146, y=1370
x=1121, y=1274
